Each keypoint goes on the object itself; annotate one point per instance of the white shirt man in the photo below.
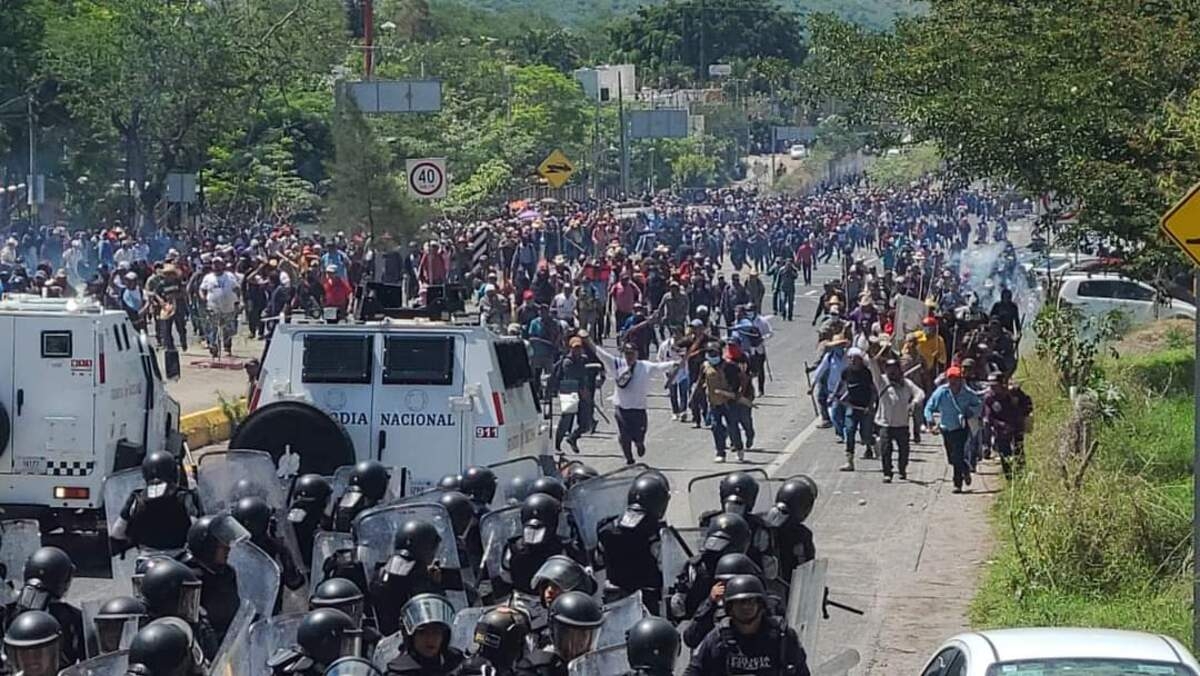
(220, 289)
(563, 305)
(633, 378)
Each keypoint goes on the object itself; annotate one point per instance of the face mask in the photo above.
(713, 360)
(533, 536)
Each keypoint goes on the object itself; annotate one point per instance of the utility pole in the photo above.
(32, 182)
(624, 134)
(703, 63)
(368, 10)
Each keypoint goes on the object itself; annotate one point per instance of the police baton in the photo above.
(826, 604)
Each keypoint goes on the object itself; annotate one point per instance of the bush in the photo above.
(1165, 372)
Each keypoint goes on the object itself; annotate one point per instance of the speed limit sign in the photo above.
(427, 178)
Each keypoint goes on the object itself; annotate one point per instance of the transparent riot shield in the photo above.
(353, 666)
(591, 501)
(462, 634)
(495, 529)
(608, 661)
(387, 649)
(375, 534)
(112, 664)
(117, 489)
(91, 642)
(678, 546)
(233, 657)
(526, 467)
(19, 538)
(341, 481)
(267, 636)
(806, 600)
(840, 665)
(619, 616)
(326, 544)
(704, 493)
(258, 576)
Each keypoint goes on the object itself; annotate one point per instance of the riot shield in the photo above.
(258, 576)
(495, 529)
(325, 544)
(375, 534)
(462, 634)
(678, 546)
(267, 636)
(526, 467)
(840, 665)
(806, 600)
(353, 666)
(704, 493)
(387, 649)
(112, 664)
(91, 643)
(590, 502)
(117, 489)
(233, 657)
(603, 662)
(619, 616)
(19, 538)
(395, 489)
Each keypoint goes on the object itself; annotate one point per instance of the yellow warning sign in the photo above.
(556, 169)
(1182, 223)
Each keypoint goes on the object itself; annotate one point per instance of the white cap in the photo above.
(854, 352)
(489, 287)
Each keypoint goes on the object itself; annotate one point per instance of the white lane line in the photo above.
(810, 294)
(792, 447)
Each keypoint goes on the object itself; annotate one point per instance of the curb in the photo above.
(205, 427)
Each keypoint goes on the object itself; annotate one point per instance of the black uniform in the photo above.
(774, 650)
(161, 523)
(411, 664)
(522, 560)
(696, 582)
(70, 622)
(389, 593)
(760, 538)
(631, 556)
(541, 663)
(478, 665)
(794, 546)
(218, 594)
(306, 531)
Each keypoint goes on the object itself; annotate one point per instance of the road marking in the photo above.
(810, 294)
(793, 446)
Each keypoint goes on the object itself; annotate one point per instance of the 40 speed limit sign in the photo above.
(427, 177)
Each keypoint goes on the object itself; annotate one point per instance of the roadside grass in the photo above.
(1105, 541)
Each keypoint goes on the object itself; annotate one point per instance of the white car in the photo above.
(798, 151)
(1097, 294)
(1061, 652)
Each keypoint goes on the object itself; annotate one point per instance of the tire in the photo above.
(321, 442)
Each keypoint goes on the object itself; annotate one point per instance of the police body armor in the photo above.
(522, 560)
(768, 656)
(632, 558)
(761, 551)
(159, 523)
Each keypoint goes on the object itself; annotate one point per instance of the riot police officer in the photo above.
(323, 636)
(652, 646)
(342, 594)
(739, 492)
(480, 484)
(166, 647)
(408, 572)
(539, 540)
(726, 533)
(367, 488)
(157, 516)
(31, 645)
(450, 482)
(792, 540)
(257, 517)
(710, 611)
(208, 543)
(499, 642)
(48, 575)
(171, 589)
(577, 472)
(516, 490)
(426, 621)
(112, 619)
(629, 544)
(749, 640)
(307, 512)
(558, 575)
(462, 517)
(575, 620)
(549, 485)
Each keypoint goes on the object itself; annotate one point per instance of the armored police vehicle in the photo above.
(411, 390)
(81, 397)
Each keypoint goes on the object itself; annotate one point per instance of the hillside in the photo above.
(875, 14)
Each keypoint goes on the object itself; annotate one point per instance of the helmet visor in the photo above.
(33, 596)
(426, 609)
(534, 533)
(573, 641)
(400, 565)
(297, 514)
(33, 659)
(735, 505)
(189, 602)
(352, 608)
(115, 633)
(353, 666)
(776, 516)
(156, 489)
(632, 516)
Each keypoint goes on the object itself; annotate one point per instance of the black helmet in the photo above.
(652, 645)
(480, 484)
(51, 569)
(578, 472)
(735, 564)
(254, 514)
(326, 634)
(211, 536)
(165, 647)
(793, 501)
(371, 478)
(575, 620)
(112, 619)
(648, 496)
(744, 587)
(551, 486)
(738, 491)
(171, 589)
(727, 532)
(245, 488)
(460, 509)
(450, 482)
(500, 636)
(426, 609)
(31, 643)
(539, 516)
(312, 487)
(517, 489)
(160, 469)
(416, 545)
(339, 593)
(565, 573)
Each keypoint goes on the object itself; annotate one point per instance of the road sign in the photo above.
(1182, 223)
(556, 169)
(181, 188)
(426, 177)
(658, 123)
(720, 70)
(396, 96)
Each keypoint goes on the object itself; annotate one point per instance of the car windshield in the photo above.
(1088, 667)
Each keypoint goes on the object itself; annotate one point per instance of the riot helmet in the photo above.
(450, 482)
(735, 564)
(745, 597)
(48, 575)
(165, 647)
(738, 491)
(727, 532)
(480, 484)
(310, 495)
(114, 617)
(648, 497)
(416, 546)
(793, 501)
(500, 636)
(371, 479)
(549, 485)
(160, 469)
(516, 490)
(31, 644)
(171, 589)
(561, 574)
(461, 512)
(427, 620)
(577, 473)
(539, 518)
(212, 536)
(652, 646)
(326, 634)
(255, 516)
(339, 593)
(575, 620)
